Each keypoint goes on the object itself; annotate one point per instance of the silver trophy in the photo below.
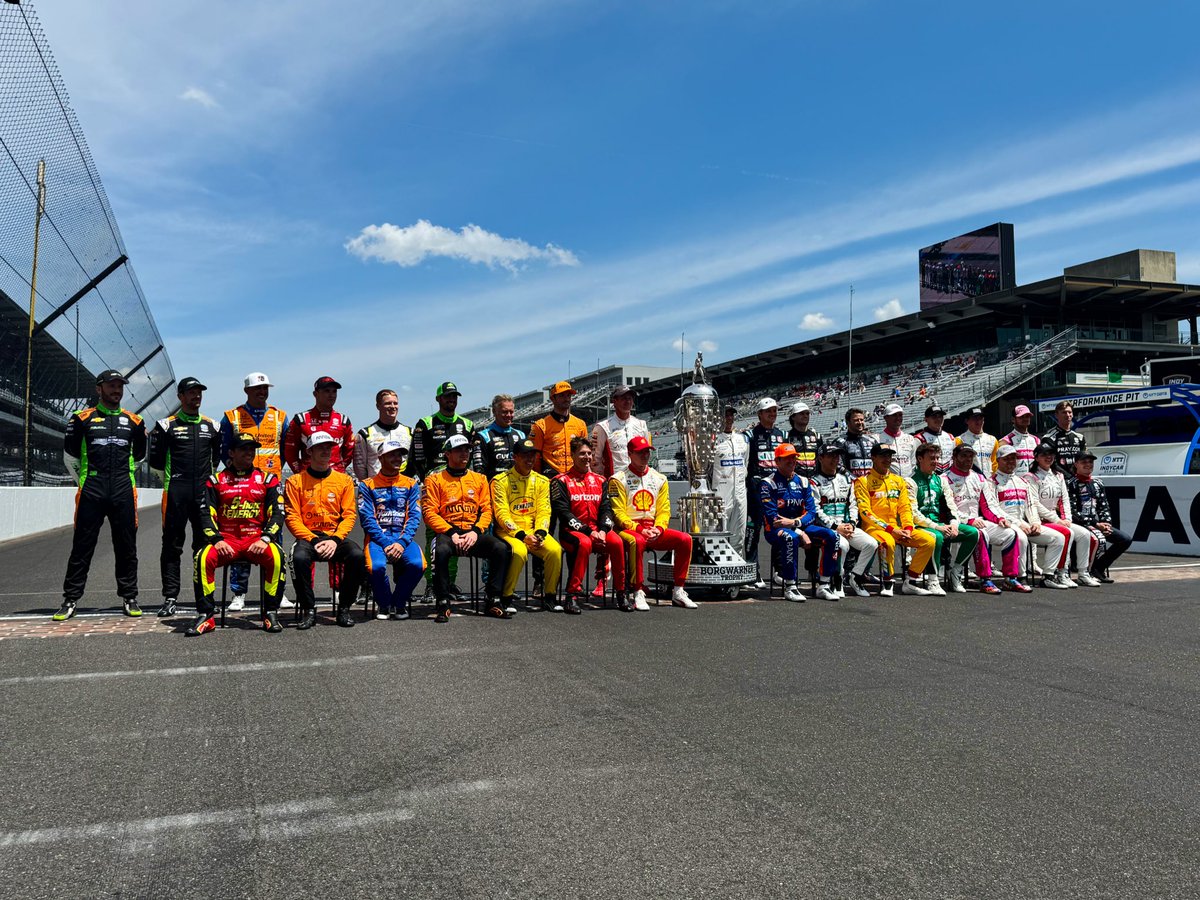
(716, 565)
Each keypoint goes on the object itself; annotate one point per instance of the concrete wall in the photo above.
(25, 511)
(1134, 265)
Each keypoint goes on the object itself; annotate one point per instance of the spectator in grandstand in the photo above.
(456, 505)
(886, 513)
(552, 433)
(1020, 438)
(184, 449)
(792, 521)
(835, 497)
(1089, 504)
(983, 443)
(389, 508)
(321, 510)
(385, 428)
(641, 504)
(935, 511)
(611, 436)
(728, 476)
(761, 441)
(492, 452)
(1055, 506)
(855, 445)
(1067, 443)
(242, 521)
(521, 512)
(979, 507)
(267, 425)
(803, 438)
(580, 504)
(324, 418)
(104, 442)
(933, 433)
(904, 459)
(1020, 501)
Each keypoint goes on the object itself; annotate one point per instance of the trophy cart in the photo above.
(717, 567)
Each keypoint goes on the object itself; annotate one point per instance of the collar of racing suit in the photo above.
(457, 473)
(559, 419)
(318, 475)
(1084, 478)
(634, 470)
(379, 423)
(104, 409)
(187, 417)
(957, 471)
(577, 473)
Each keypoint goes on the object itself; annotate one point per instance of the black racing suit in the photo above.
(1067, 444)
(760, 464)
(186, 449)
(492, 452)
(855, 450)
(806, 443)
(108, 445)
(1089, 507)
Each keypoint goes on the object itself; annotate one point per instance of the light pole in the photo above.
(37, 230)
(850, 344)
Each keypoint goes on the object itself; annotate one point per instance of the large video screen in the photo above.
(970, 265)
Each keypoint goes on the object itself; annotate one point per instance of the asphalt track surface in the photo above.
(1040, 746)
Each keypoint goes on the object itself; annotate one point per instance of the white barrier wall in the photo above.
(1161, 513)
(28, 510)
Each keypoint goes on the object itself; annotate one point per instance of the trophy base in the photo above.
(716, 567)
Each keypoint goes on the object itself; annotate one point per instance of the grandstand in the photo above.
(90, 312)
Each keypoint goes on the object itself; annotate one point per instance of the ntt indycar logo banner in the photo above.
(1143, 395)
(1161, 513)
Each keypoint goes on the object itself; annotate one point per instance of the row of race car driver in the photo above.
(978, 495)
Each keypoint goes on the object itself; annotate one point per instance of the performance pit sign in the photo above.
(1162, 514)
(1113, 398)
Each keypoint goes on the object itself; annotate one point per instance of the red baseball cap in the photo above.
(639, 443)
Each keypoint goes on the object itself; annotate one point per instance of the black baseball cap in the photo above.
(1085, 454)
(525, 446)
(974, 411)
(1043, 447)
(326, 381)
(448, 387)
(934, 410)
(882, 448)
(830, 448)
(188, 383)
(246, 440)
(111, 375)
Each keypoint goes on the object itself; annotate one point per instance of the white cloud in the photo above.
(684, 346)
(201, 96)
(411, 245)
(889, 310)
(681, 345)
(815, 321)
(707, 346)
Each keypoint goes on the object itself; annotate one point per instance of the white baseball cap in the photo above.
(320, 437)
(892, 408)
(798, 407)
(257, 379)
(456, 440)
(402, 442)
(766, 403)
(1005, 450)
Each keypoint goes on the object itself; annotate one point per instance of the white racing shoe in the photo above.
(285, 603)
(825, 592)
(934, 586)
(639, 601)
(679, 597)
(237, 603)
(854, 587)
(1055, 582)
(886, 588)
(792, 592)
(955, 583)
(908, 586)
(1087, 579)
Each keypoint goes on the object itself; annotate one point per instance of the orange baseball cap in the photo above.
(785, 450)
(564, 386)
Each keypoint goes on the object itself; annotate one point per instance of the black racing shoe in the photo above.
(345, 619)
(202, 625)
(496, 610)
(1101, 577)
(168, 608)
(623, 603)
(572, 607)
(308, 618)
(456, 594)
(271, 622)
(428, 596)
(132, 609)
(443, 614)
(66, 611)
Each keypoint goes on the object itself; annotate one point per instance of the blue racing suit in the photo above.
(389, 509)
(793, 498)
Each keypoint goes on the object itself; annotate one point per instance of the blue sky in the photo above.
(632, 170)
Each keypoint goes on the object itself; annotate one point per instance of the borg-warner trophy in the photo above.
(716, 564)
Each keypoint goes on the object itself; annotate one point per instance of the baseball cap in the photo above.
(882, 448)
(965, 448)
(826, 449)
(455, 441)
(974, 411)
(934, 410)
(729, 407)
(257, 379)
(563, 387)
(639, 443)
(765, 403)
(798, 407)
(111, 375)
(525, 445)
(892, 408)
(1022, 410)
(1085, 454)
(620, 391)
(246, 440)
(1005, 450)
(317, 438)
(785, 450)
(397, 443)
(188, 383)
(1043, 449)
(326, 381)
(448, 387)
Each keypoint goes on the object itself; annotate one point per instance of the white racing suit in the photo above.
(978, 506)
(1019, 500)
(836, 505)
(728, 480)
(1056, 507)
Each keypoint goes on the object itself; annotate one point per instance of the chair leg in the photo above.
(224, 587)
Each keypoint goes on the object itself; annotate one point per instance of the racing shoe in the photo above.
(759, 585)
(510, 604)
(572, 607)
(886, 587)
(495, 610)
(1065, 577)
(443, 613)
(934, 586)
(456, 595)
(955, 582)
(345, 618)
(381, 612)
(66, 611)
(1101, 577)
(168, 608)
(1017, 585)
(237, 603)
(398, 613)
(271, 623)
(679, 597)
(285, 603)
(987, 586)
(791, 591)
(854, 587)
(428, 596)
(598, 590)
(308, 618)
(131, 608)
(639, 601)
(1087, 579)
(825, 592)
(912, 586)
(836, 585)
(202, 625)
(1055, 582)
(623, 603)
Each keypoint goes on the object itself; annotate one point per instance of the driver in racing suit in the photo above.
(933, 433)
(1020, 438)
(1022, 508)
(835, 497)
(855, 445)
(791, 521)
(761, 441)
(728, 477)
(803, 438)
(389, 510)
(1056, 507)
(979, 507)
(936, 513)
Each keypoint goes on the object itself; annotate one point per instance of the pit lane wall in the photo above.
(29, 510)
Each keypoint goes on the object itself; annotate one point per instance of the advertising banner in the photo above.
(1161, 513)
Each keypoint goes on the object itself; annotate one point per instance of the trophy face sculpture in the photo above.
(698, 419)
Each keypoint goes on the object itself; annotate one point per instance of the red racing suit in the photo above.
(581, 506)
(304, 425)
